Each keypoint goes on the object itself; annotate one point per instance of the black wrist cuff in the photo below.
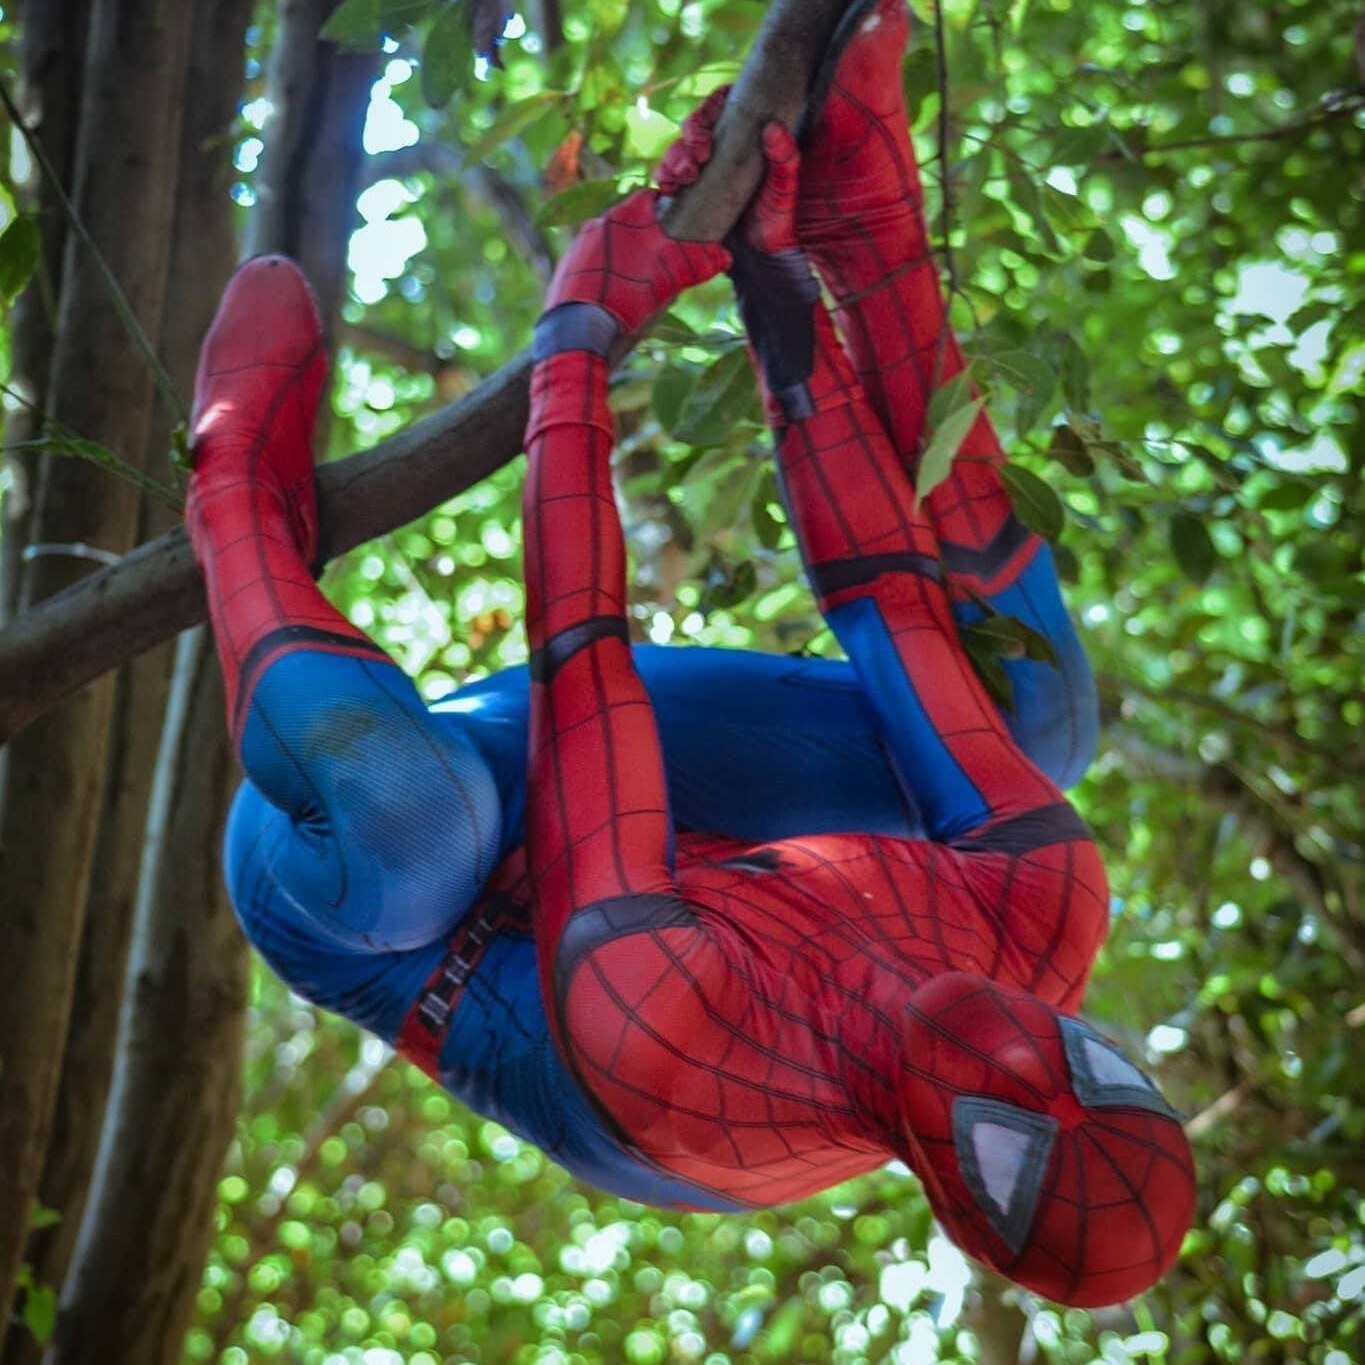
(777, 295)
(575, 327)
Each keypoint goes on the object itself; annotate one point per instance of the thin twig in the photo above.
(1353, 103)
(946, 183)
(116, 294)
(60, 439)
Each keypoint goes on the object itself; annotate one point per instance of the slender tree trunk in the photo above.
(53, 34)
(203, 249)
(310, 170)
(131, 1290)
(50, 66)
(126, 153)
(137, 1266)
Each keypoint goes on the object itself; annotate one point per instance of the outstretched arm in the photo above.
(597, 815)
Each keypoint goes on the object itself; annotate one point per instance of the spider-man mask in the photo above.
(1044, 1151)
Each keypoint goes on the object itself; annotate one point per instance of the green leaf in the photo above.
(362, 24)
(180, 454)
(992, 636)
(578, 203)
(1099, 246)
(1037, 647)
(1066, 210)
(937, 461)
(1068, 566)
(722, 397)
(1118, 455)
(1080, 146)
(1035, 504)
(1034, 380)
(1073, 365)
(674, 330)
(919, 79)
(956, 393)
(766, 526)
(986, 662)
(516, 118)
(41, 1217)
(1286, 497)
(40, 1312)
(447, 55)
(718, 490)
(1024, 192)
(726, 585)
(1192, 546)
(671, 389)
(20, 249)
(1070, 451)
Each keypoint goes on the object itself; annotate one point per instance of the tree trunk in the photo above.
(310, 170)
(50, 67)
(133, 1282)
(137, 1266)
(156, 592)
(203, 249)
(126, 153)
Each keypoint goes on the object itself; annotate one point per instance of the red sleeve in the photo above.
(597, 810)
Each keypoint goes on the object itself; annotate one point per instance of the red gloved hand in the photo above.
(769, 223)
(684, 160)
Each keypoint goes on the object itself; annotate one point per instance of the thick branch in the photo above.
(112, 616)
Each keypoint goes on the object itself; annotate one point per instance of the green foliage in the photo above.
(936, 463)
(39, 1311)
(1153, 222)
(20, 247)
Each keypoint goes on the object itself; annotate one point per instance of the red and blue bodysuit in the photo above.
(713, 929)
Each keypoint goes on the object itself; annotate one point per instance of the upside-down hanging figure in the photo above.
(870, 939)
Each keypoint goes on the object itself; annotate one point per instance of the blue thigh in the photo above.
(1055, 717)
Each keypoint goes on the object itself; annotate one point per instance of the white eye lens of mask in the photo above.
(1103, 1078)
(1003, 1153)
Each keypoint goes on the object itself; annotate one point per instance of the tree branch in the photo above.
(1344, 104)
(115, 614)
(945, 179)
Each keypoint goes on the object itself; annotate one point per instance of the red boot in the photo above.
(251, 512)
(859, 215)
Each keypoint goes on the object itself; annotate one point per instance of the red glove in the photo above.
(683, 161)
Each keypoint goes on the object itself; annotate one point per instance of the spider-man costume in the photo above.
(720, 1021)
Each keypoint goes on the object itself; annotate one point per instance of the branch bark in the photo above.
(155, 591)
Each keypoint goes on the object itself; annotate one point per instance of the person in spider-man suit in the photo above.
(709, 999)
